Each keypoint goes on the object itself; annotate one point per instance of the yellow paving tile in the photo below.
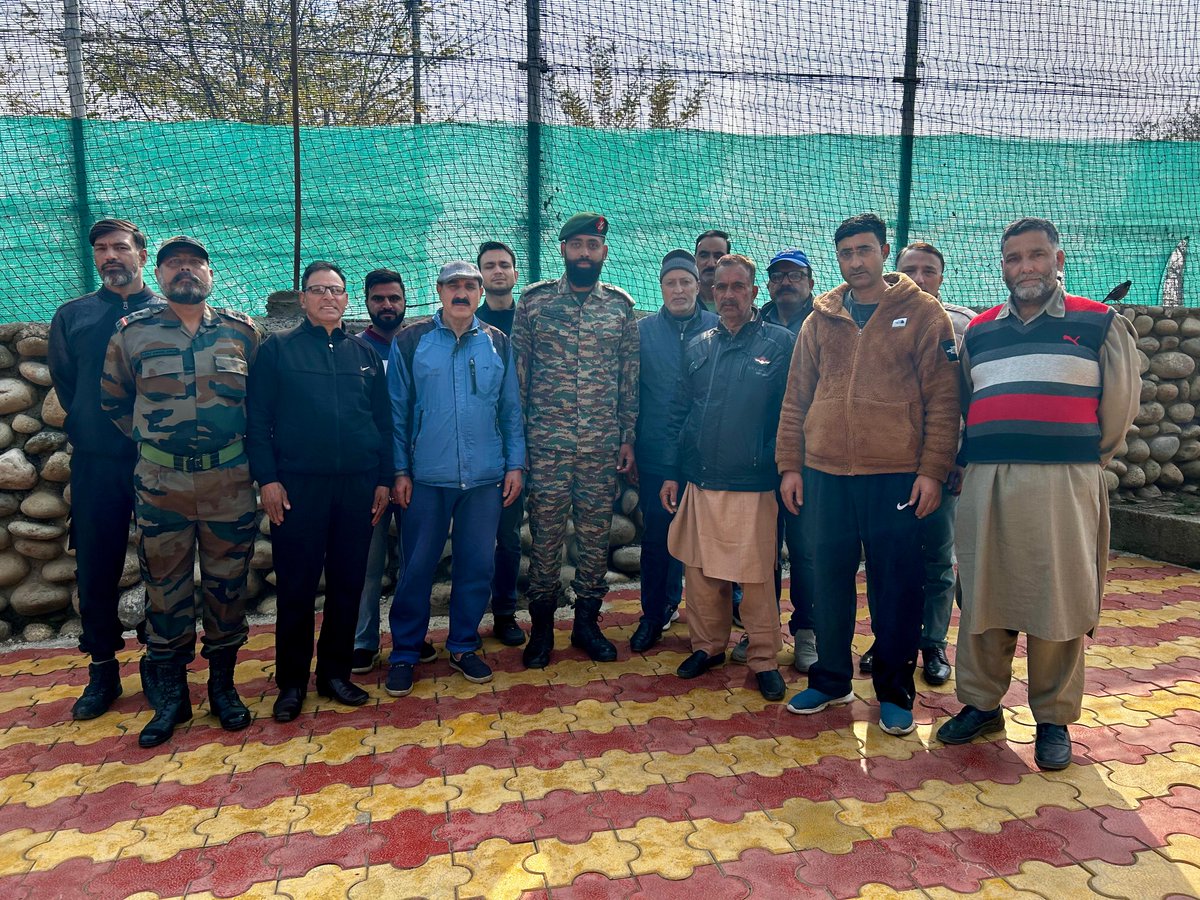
(636, 712)
(323, 881)
(1156, 775)
(664, 849)
(497, 870)
(625, 772)
(482, 789)
(573, 775)
(1030, 794)
(755, 756)
(754, 831)
(817, 826)
(275, 818)
(556, 721)
(595, 717)
(992, 889)
(676, 768)
(15, 845)
(1184, 848)
(1095, 787)
(1153, 875)
(1117, 710)
(880, 820)
(101, 846)
(800, 752)
(289, 753)
(471, 730)
(331, 809)
(561, 863)
(386, 801)
(169, 833)
(960, 807)
(1053, 882)
(437, 877)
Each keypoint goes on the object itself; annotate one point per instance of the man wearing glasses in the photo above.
(319, 442)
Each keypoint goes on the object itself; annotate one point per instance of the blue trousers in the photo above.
(662, 574)
(475, 513)
(508, 558)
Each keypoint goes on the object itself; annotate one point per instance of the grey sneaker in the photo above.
(806, 650)
(739, 652)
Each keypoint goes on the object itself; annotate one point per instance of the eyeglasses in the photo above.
(321, 290)
(795, 276)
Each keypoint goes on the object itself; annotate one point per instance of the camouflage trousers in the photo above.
(559, 482)
(177, 513)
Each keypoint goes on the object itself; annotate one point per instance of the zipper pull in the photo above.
(471, 366)
(331, 346)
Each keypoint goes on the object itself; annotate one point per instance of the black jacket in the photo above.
(318, 405)
(79, 334)
(727, 411)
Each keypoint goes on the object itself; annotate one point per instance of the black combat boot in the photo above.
(587, 636)
(103, 688)
(536, 654)
(223, 699)
(167, 681)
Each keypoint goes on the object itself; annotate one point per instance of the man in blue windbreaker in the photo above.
(459, 456)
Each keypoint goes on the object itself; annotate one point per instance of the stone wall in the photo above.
(37, 572)
(38, 598)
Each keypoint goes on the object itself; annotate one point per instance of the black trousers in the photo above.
(845, 515)
(328, 527)
(101, 510)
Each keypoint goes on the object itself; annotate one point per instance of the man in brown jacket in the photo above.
(867, 435)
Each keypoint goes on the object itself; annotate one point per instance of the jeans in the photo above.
(475, 513)
(662, 574)
(366, 634)
(937, 548)
(791, 531)
(508, 558)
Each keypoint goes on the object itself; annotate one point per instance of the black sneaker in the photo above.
(506, 630)
(363, 661)
(399, 680)
(428, 652)
(474, 669)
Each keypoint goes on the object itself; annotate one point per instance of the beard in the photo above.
(386, 319)
(583, 273)
(188, 290)
(1036, 291)
(115, 275)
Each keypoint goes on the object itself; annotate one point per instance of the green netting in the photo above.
(412, 197)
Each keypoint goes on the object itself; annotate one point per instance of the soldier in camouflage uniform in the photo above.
(576, 346)
(174, 381)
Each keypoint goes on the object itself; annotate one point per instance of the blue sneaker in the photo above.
(895, 719)
(810, 701)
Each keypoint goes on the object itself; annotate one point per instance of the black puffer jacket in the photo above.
(318, 405)
(727, 411)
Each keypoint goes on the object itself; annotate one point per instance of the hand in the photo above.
(512, 486)
(402, 491)
(954, 481)
(668, 496)
(626, 465)
(926, 495)
(379, 505)
(275, 501)
(791, 488)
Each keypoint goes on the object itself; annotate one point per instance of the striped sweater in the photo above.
(1036, 385)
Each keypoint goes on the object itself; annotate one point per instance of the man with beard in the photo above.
(576, 346)
(710, 247)
(174, 381)
(319, 441)
(871, 419)
(1051, 384)
(385, 306)
(498, 264)
(103, 458)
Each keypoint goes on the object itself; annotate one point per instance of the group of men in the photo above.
(831, 424)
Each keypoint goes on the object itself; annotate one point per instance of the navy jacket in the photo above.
(663, 339)
(79, 334)
(317, 405)
(727, 411)
(456, 405)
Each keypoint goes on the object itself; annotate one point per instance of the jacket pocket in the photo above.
(230, 377)
(162, 376)
(826, 430)
(887, 434)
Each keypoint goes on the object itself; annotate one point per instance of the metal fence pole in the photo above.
(533, 135)
(295, 75)
(908, 115)
(414, 15)
(73, 41)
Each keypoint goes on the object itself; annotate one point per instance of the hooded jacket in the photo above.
(877, 400)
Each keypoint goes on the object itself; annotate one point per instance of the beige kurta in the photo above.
(1032, 539)
(728, 535)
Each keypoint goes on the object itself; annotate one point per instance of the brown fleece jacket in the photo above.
(876, 401)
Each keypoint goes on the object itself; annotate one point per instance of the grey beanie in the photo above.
(679, 259)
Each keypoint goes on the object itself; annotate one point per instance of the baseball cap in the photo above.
(459, 268)
(177, 243)
(793, 256)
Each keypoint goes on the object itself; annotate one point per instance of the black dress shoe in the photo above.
(1052, 746)
(969, 724)
(508, 632)
(935, 667)
(866, 663)
(698, 663)
(645, 637)
(770, 684)
(342, 691)
(287, 704)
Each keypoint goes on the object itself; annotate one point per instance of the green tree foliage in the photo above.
(1183, 126)
(231, 59)
(639, 98)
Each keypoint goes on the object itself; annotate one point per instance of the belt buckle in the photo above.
(192, 464)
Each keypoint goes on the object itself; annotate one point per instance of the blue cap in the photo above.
(793, 256)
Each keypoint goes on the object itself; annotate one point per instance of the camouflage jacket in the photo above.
(182, 394)
(578, 367)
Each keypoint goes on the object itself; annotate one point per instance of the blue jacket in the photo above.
(663, 338)
(456, 407)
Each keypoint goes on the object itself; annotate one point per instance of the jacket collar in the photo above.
(752, 327)
(682, 324)
(438, 323)
(208, 320)
(316, 330)
(145, 295)
(1055, 306)
(900, 289)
